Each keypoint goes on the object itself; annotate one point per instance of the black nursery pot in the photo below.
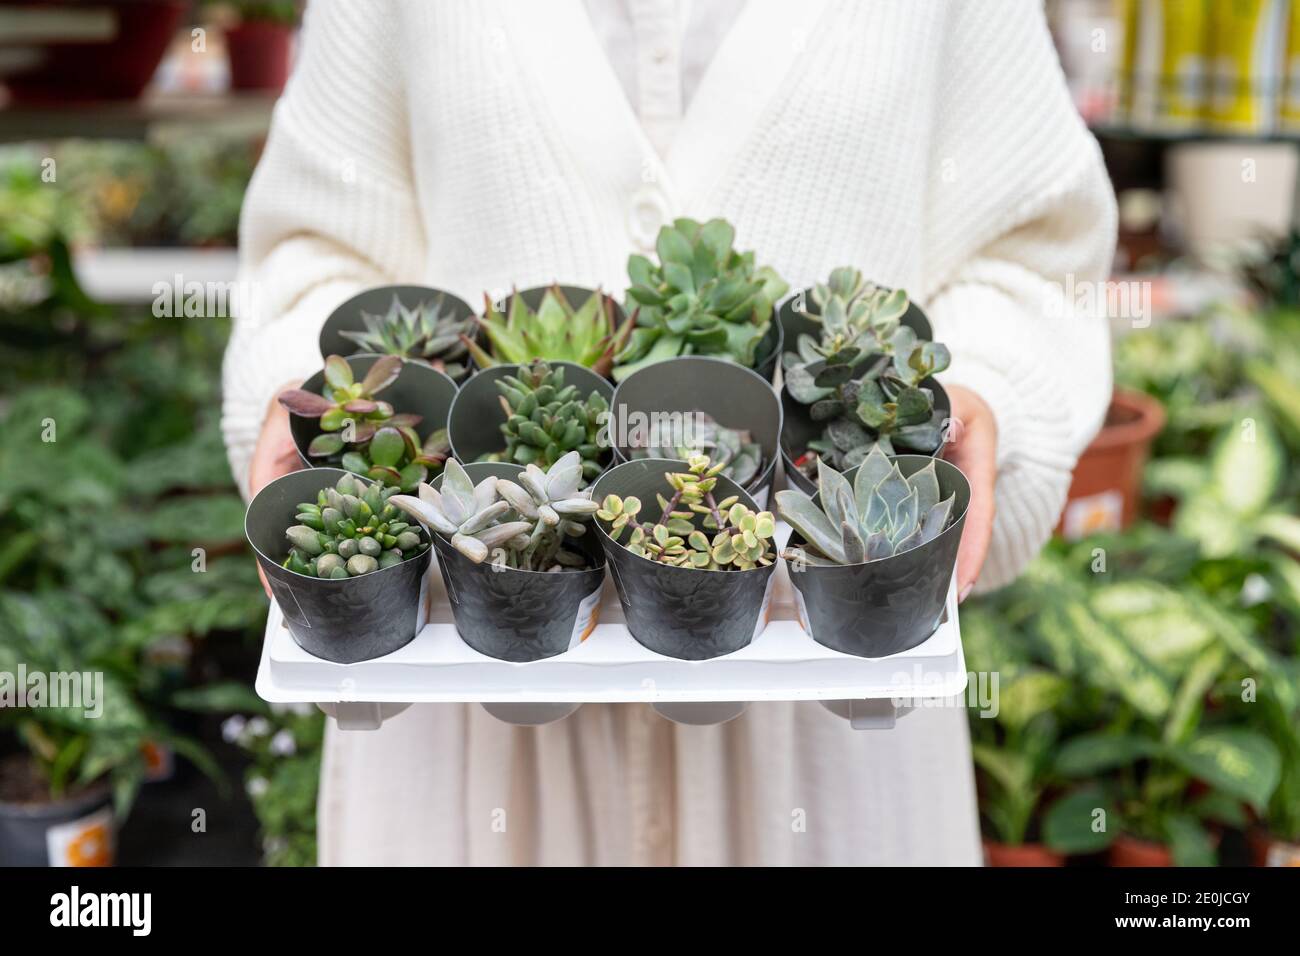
(516, 615)
(345, 621)
(798, 428)
(793, 324)
(892, 604)
(680, 612)
(347, 317)
(419, 390)
(767, 357)
(474, 423)
(733, 395)
(24, 827)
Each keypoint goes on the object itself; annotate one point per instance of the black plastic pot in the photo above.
(793, 323)
(767, 357)
(474, 423)
(25, 827)
(516, 615)
(345, 621)
(680, 612)
(798, 428)
(419, 390)
(733, 395)
(892, 604)
(347, 317)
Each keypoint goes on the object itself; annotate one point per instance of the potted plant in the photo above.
(336, 418)
(258, 44)
(543, 323)
(694, 571)
(344, 564)
(701, 405)
(532, 414)
(866, 382)
(409, 321)
(701, 298)
(872, 555)
(522, 574)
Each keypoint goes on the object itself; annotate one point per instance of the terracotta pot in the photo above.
(259, 55)
(1267, 850)
(1130, 851)
(1026, 854)
(1106, 489)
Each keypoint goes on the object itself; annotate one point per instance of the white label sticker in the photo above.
(585, 622)
(85, 842)
(1100, 512)
(766, 608)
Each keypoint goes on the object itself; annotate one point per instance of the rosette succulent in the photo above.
(882, 514)
(857, 318)
(731, 449)
(693, 530)
(587, 335)
(521, 525)
(428, 332)
(701, 298)
(546, 419)
(349, 530)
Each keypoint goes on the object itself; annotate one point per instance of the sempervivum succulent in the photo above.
(882, 514)
(429, 332)
(351, 529)
(546, 419)
(519, 525)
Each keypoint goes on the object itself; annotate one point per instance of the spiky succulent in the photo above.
(520, 525)
(693, 529)
(702, 298)
(546, 419)
(428, 332)
(883, 513)
(587, 335)
(351, 529)
(364, 434)
(740, 458)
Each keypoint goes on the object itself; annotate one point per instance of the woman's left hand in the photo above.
(974, 449)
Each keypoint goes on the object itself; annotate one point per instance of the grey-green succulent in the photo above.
(351, 529)
(428, 332)
(546, 419)
(696, 433)
(521, 525)
(882, 514)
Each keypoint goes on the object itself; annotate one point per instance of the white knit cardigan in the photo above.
(479, 144)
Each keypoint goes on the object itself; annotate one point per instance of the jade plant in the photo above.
(733, 536)
(587, 335)
(428, 332)
(523, 525)
(868, 390)
(733, 449)
(351, 529)
(881, 514)
(546, 419)
(701, 298)
(364, 434)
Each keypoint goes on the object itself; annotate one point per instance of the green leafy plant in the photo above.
(546, 419)
(701, 298)
(261, 11)
(351, 529)
(556, 331)
(428, 332)
(522, 525)
(741, 538)
(880, 515)
(740, 458)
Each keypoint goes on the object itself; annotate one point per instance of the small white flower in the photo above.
(282, 744)
(259, 727)
(232, 728)
(257, 786)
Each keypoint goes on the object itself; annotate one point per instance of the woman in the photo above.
(471, 145)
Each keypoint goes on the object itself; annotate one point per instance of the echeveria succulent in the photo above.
(883, 513)
(520, 525)
(732, 449)
(546, 419)
(351, 529)
(428, 332)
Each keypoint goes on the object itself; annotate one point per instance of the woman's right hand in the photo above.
(274, 455)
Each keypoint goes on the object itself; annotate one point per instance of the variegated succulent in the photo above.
(521, 525)
(729, 536)
(351, 529)
(882, 514)
(428, 332)
(696, 433)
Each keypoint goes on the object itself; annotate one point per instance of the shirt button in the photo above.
(661, 54)
(647, 214)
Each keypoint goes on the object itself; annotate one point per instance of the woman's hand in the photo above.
(973, 448)
(274, 455)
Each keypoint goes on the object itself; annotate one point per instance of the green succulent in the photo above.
(546, 419)
(351, 529)
(880, 515)
(364, 434)
(741, 539)
(702, 298)
(557, 331)
(428, 332)
(857, 318)
(740, 458)
(521, 525)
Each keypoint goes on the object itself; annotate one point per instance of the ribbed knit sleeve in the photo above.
(330, 209)
(1003, 255)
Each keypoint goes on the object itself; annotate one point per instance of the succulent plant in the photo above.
(364, 434)
(557, 331)
(521, 525)
(857, 318)
(880, 515)
(730, 536)
(546, 419)
(702, 298)
(428, 332)
(740, 458)
(351, 529)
